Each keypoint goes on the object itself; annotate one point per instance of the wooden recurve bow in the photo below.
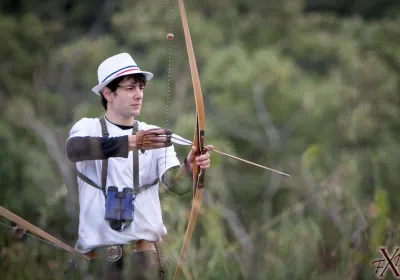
(198, 142)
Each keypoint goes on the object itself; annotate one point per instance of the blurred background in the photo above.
(308, 87)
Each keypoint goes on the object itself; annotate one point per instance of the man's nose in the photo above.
(138, 94)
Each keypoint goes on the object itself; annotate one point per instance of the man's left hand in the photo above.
(202, 161)
(18, 232)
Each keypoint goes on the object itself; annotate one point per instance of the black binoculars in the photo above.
(119, 207)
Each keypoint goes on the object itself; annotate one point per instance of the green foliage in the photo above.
(310, 93)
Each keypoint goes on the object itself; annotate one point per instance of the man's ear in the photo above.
(106, 93)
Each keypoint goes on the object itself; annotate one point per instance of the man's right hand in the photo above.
(150, 139)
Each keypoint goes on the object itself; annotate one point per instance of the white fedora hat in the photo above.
(116, 66)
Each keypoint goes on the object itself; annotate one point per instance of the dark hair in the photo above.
(113, 85)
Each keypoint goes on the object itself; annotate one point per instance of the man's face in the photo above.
(128, 97)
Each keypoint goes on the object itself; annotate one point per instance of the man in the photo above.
(119, 162)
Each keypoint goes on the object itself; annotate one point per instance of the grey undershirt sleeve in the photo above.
(178, 179)
(94, 148)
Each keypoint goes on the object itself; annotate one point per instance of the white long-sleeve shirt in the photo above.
(94, 230)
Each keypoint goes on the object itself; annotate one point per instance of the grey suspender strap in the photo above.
(88, 181)
(104, 165)
(135, 156)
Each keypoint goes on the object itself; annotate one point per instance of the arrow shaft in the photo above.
(250, 162)
(187, 142)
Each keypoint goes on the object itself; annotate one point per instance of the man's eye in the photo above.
(129, 88)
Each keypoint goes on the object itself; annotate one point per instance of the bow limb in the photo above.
(30, 227)
(198, 142)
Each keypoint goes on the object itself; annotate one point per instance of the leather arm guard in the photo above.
(154, 138)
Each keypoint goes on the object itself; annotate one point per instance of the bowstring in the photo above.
(163, 195)
(168, 81)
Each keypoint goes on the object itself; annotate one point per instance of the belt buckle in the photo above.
(113, 253)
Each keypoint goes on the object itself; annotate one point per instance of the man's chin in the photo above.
(135, 113)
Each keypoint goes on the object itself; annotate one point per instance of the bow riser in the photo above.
(202, 172)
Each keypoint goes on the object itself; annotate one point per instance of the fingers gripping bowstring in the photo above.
(33, 236)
